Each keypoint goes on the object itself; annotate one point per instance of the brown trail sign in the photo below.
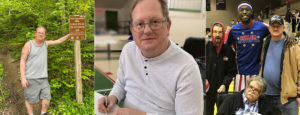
(77, 32)
(77, 27)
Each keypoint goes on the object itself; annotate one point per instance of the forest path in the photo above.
(15, 101)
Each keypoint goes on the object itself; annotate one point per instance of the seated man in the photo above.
(248, 101)
(155, 76)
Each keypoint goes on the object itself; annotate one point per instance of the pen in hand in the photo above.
(105, 103)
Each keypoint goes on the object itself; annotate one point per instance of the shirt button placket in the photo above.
(145, 67)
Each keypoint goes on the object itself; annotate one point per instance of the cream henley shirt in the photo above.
(169, 84)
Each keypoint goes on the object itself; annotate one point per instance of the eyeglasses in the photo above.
(254, 89)
(154, 25)
(41, 33)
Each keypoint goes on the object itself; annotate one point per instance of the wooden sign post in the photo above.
(77, 33)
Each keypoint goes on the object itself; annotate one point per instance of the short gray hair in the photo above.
(163, 4)
(261, 81)
(40, 27)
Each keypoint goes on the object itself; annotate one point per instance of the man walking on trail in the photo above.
(33, 69)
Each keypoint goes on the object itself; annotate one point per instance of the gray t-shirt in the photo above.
(36, 63)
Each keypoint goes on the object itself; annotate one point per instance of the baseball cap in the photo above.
(276, 18)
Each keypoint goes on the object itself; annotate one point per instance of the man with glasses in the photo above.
(155, 76)
(281, 69)
(247, 102)
(34, 72)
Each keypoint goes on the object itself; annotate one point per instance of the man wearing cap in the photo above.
(247, 38)
(281, 69)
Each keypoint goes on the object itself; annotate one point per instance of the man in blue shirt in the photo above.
(247, 38)
(281, 68)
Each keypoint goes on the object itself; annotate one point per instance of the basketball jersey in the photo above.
(248, 42)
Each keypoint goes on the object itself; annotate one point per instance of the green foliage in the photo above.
(70, 107)
(19, 18)
(3, 93)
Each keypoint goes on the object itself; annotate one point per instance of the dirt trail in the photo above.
(15, 102)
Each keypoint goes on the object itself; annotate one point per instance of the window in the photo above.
(221, 4)
(186, 5)
(207, 5)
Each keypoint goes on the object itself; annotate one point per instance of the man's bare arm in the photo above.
(58, 41)
(24, 55)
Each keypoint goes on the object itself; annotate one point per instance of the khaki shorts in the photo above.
(36, 90)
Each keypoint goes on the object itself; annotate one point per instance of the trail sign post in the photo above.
(77, 33)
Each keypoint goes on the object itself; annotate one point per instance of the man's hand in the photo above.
(105, 107)
(298, 101)
(24, 82)
(221, 89)
(128, 111)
